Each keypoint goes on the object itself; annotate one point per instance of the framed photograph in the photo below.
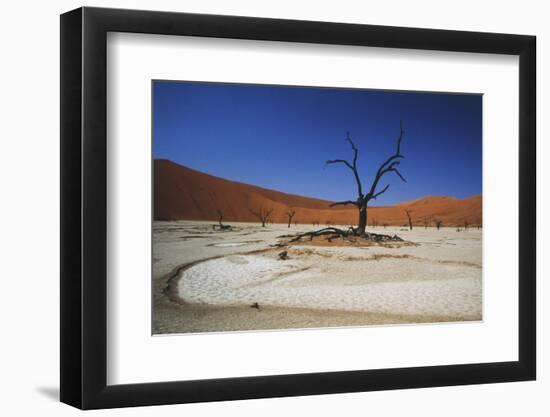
(258, 208)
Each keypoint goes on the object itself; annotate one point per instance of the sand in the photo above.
(208, 280)
(184, 193)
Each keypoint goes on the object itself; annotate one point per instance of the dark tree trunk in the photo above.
(390, 165)
(362, 223)
(262, 214)
(408, 213)
(290, 214)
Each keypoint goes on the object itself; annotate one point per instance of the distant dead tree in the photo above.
(385, 225)
(426, 222)
(363, 199)
(262, 214)
(438, 223)
(466, 224)
(409, 218)
(374, 223)
(290, 214)
(220, 218)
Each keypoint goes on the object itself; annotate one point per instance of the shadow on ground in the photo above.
(50, 392)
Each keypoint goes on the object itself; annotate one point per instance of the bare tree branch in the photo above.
(398, 152)
(355, 173)
(339, 161)
(262, 214)
(353, 166)
(389, 165)
(290, 214)
(343, 203)
(381, 192)
(399, 175)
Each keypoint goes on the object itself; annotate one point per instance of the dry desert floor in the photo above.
(208, 280)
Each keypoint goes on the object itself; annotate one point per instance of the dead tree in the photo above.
(438, 223)
(290, 214)
(220, 218)
(363, 199)
(466, 224)
(426, 222)
(409, 218)
(262, 214)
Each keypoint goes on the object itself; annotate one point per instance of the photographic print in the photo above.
(293, 207)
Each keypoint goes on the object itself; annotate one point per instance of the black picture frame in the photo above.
(84, 207)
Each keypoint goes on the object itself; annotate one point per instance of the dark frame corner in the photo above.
(83, 207)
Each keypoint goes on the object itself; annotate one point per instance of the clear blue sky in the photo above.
(280, 137)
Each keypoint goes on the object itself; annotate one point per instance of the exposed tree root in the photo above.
(222, 227)
(351, 234)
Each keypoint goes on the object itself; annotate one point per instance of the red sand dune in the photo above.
(185, 194)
